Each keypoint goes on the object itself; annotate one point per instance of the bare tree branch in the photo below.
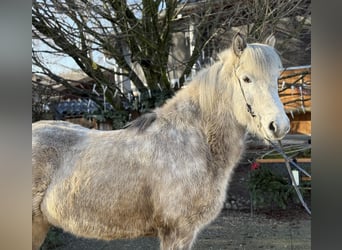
(141, 33)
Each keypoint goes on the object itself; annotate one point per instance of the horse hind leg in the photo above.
(40, 182)
(39, 232)
(40, 228)
(40, 225)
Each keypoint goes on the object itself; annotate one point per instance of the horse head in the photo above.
(256, 99)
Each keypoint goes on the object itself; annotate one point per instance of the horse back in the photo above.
(56, 133)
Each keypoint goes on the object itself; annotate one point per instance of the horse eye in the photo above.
(246, 79)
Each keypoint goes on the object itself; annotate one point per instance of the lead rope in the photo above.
(287, 164)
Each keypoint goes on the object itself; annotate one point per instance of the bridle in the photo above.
(249, 107)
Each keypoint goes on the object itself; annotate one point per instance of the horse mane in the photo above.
(142, 122)
(210, 80)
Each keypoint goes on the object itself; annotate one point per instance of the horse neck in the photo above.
(224, 135)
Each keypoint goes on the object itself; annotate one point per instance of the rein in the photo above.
(287, 163)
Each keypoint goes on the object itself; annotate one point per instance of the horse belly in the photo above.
(101, 217)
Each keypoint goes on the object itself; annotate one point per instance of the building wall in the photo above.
(295, 93)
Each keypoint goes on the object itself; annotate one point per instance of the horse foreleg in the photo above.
(176, 241)
(40, 228)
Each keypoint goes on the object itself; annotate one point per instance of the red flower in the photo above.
(255, 165)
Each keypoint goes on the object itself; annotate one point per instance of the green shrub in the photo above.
(267, 188)
(53, 239)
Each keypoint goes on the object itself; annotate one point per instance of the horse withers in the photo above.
(166, 173)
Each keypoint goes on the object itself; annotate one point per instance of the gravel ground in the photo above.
(282, 229)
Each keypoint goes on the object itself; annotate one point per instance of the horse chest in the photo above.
(226, 150)
(225, 156)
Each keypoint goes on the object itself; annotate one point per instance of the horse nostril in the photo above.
(273, 127)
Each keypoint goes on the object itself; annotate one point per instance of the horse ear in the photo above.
(270, 40)
(239, 44)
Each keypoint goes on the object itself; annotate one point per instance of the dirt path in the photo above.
(232, 230)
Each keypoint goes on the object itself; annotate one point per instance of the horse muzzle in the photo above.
(277, 129)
